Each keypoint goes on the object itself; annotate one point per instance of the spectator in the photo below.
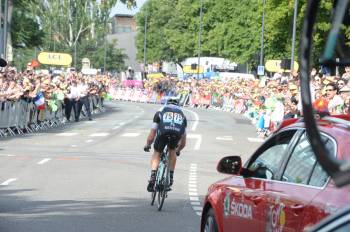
(335, 102)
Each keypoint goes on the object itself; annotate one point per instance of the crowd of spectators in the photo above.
(70, 89)
(266, 101)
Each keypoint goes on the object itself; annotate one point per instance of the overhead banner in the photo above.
(275, 66)
(52, 58)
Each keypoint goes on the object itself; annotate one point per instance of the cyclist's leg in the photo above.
(172, 156)
(158, 146)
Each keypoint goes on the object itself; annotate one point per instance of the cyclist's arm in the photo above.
(182, 142)
(152, 134)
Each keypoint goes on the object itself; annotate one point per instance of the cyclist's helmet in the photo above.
(173, 101)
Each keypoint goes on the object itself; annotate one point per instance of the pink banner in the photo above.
(132, 83)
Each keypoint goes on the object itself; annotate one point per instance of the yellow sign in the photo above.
(53, 58)
(155, 76)
(275, 66)
(188, 69)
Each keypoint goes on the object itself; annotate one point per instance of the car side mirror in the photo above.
(230, 165)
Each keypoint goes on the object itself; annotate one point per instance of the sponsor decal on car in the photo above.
(236, 208)
(276, 217)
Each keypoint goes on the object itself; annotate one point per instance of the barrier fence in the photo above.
(229, 103)
(19, 117)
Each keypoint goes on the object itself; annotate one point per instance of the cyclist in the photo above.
(168, 128)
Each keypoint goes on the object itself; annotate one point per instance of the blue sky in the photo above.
(120, 8)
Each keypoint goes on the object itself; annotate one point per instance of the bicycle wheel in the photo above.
(153, 197)
(163, 187)
(334, 55)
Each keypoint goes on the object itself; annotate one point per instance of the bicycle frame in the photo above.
(161, 180)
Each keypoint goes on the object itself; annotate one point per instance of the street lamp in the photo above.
(199, 36)
(294, 31)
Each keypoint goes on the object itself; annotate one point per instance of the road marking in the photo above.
(44, 161)
(196, 119)
(89, 141)
(73, 145)
(224, 138)
(99, 134)
(89, 122)
(66, 134)
(8, 181)
(192, 189)
(122, 123)
(195, 203)
(256, 140)
(198, 137)
(130, 134)
(116, 127)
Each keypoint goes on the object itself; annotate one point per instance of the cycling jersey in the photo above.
(170, 123)
(170, 120)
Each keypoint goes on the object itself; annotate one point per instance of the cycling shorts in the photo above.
(162, 140)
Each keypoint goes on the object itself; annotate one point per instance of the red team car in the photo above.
(282, 187)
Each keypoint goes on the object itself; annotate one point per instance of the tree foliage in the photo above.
(66, 26)
(231, 29)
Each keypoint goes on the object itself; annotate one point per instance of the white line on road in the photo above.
(256, 140)
(44, 161)
(116, 127)
(66, 134)
(74, 145)
(99, 134)
(89, 141)
(224, 138)
(130, 134)
(192, 189)
(196, 119)
(122, 123)
(195, 203)
(8, 181)
(198, 137)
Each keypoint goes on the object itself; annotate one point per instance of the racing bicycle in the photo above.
(162, 184)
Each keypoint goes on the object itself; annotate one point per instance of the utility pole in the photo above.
(262, 36)
(145, 44)
(200, 36)
(1, 34)
(105, 46)
(294, 32)
(5, 29)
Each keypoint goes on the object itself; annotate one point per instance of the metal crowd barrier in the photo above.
(19, 117)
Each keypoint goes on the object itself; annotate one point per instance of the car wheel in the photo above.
(210, 224)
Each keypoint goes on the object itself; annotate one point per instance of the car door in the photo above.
(245, 202)
(290, 197)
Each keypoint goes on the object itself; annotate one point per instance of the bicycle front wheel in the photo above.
(153, 197)
(163, 187)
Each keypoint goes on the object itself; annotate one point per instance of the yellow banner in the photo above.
(53, 58)
(275, 66)
(188, 69)
(155, 76)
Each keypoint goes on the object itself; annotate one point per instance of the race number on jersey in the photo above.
(171, 117)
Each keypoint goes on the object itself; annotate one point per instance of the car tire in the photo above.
(210, 224)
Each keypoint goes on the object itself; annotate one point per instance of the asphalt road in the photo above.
(92, 176)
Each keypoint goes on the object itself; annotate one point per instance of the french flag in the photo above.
(39, 101)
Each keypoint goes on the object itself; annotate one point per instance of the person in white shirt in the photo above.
(83, 99)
